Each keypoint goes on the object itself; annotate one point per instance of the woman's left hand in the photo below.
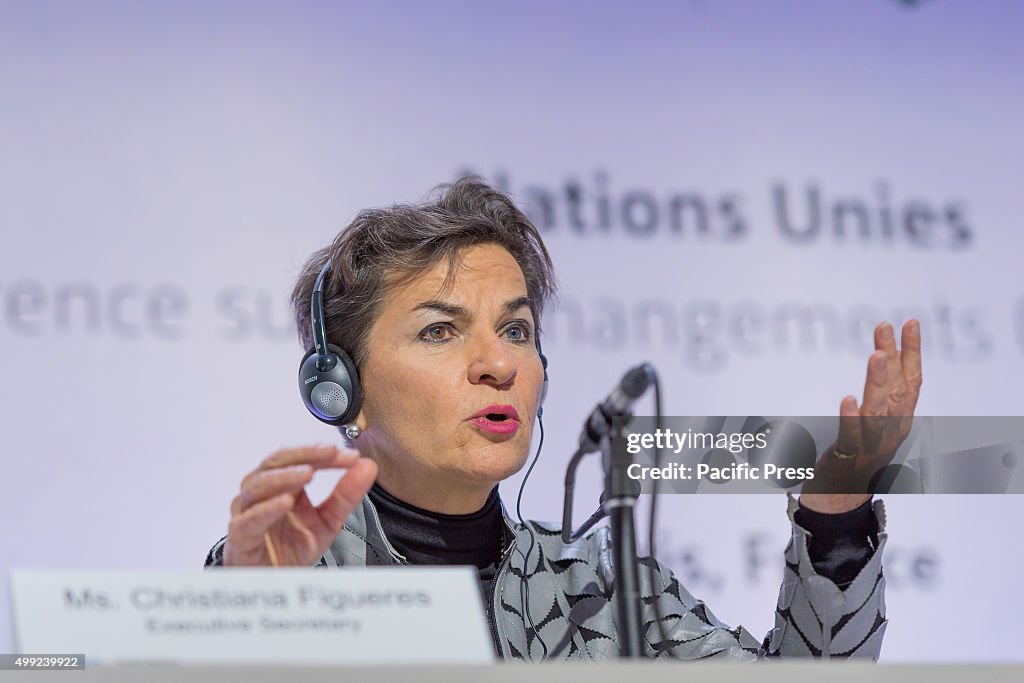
(869, 435)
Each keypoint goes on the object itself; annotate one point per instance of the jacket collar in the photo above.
(364, 523)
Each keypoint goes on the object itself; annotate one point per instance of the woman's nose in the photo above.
(491, 363)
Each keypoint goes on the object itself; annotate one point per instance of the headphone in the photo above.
(328, 379)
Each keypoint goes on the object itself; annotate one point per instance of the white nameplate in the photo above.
(392, 615)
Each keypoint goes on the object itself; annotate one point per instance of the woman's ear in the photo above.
(360, 420)
(355, 428)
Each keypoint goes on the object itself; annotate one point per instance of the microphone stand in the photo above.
(619, 505)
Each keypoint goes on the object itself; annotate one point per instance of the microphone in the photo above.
(631, 387)
(618, 403)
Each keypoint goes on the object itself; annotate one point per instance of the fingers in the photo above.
(315, 457)
(885, 340)
(875, 396)
(347, 494)
(246, 529)
(307, 455)
(850, 440)
(891, 389)
(276, 490)
(875, 403)
(269, 483)
(910, 348)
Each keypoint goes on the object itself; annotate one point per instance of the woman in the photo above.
(438, 306)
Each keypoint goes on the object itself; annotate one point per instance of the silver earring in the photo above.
(352, 432)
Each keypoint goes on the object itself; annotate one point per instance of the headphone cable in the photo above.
(524, 587)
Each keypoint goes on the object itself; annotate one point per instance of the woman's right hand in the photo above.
(273, 522)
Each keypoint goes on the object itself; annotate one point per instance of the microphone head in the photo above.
(636, 381)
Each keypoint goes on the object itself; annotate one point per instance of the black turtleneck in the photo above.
(426, 537)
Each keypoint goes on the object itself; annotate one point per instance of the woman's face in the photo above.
(438, 363)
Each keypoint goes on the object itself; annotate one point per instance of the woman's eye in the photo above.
(435, 333)
(518, 333)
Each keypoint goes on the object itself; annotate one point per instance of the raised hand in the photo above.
(871, 433)
(273, 523)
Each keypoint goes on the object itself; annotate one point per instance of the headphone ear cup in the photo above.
(334, 396)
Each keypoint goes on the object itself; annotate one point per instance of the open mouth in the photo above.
(497, 419)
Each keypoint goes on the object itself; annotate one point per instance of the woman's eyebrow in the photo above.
(456, 311)
(442, 307)
(515, 304)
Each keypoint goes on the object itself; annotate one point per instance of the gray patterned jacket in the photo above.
(571, 586)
